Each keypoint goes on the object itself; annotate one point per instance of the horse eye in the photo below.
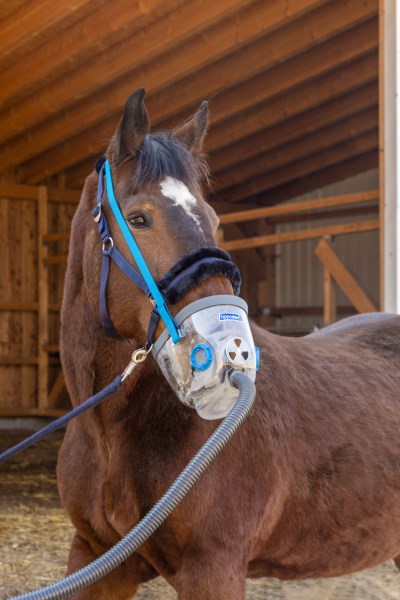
(138, 221)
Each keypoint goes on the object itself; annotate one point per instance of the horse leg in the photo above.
(211, 580)
(120, 584)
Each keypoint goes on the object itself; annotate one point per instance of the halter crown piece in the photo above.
(186, 274)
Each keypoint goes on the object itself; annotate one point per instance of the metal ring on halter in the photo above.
(110, 241)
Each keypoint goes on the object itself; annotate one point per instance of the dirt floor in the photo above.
(35, 534)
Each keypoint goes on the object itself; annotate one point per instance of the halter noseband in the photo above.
(186, 274)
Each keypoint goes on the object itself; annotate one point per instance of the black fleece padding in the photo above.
(196, 267)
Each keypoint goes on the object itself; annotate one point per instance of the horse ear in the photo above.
(193, 132)
(132, 128)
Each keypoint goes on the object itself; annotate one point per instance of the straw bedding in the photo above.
(35, 534)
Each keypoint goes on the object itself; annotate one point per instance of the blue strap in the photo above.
(138, 258)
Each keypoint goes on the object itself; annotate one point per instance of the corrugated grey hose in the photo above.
(164, 507)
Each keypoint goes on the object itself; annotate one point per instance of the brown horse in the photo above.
(308, 487)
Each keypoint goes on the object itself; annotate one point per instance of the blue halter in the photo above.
(188, 272)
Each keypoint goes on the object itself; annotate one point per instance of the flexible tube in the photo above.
(156, 516)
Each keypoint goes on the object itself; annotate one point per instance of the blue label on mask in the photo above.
(230, 317)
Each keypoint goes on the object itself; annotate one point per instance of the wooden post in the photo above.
(336, 270)
(389, 145)
(43, 298)
(329, 293)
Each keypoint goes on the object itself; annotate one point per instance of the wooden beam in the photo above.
(35, 23)
(310, 164)
(337, 172)
(15, 190)
(221, 39)
(300, 207)
(283, 311)
(326, 57)
(292, 128)
(43, 297)
(343, 278)
(305, 145)
(81, 42)
(19, 306)
(296, 236)
(31, 412)
(339, 213)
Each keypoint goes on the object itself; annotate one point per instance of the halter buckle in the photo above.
(97, 216)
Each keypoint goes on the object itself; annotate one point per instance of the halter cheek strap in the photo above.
(188, 272)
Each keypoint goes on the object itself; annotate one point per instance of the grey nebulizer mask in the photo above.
(216, 339)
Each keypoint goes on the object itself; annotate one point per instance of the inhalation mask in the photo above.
(215, 339)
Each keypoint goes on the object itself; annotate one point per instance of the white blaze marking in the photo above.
(180, 195)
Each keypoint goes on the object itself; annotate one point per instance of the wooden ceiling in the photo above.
(292, 84)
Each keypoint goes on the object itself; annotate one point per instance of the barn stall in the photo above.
(296, 94)
(293, 90)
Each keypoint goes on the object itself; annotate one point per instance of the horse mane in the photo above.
(162, 155)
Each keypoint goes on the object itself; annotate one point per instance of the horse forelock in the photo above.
(161, 155)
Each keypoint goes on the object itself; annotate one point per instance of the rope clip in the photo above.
(137, 358)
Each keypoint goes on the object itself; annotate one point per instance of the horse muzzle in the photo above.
(215, 340)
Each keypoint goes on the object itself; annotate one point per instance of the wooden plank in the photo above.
(295, 236)
(17, 191)
(343, 278)
(292, 73)
(329, 295)
(63, 195)
(19, 306)
(55, 260)
(340, 213)
(382, 173)
(18, 361)
(282, 311)
(109, 23)
(43, 314)
(57, 236)
(300, 207)
(307, 143)
(31, 412)
(56, 390)
(310, 164)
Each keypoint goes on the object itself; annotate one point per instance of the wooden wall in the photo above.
(30, 296)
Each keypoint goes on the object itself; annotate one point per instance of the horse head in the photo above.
(156, 225)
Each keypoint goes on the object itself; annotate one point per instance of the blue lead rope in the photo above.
(58, 423)
(138, 258)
